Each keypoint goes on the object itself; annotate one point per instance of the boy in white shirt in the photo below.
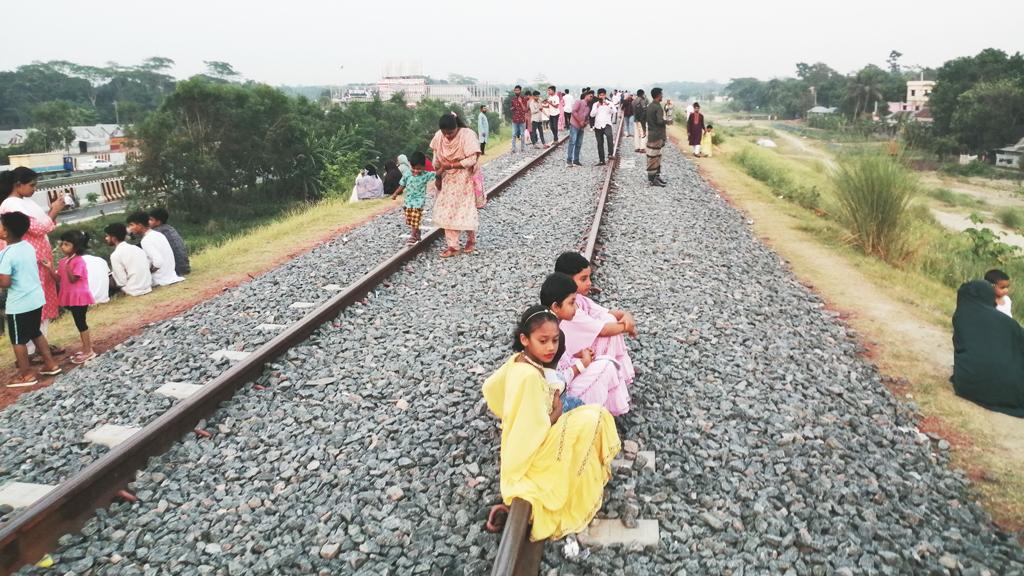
(129, 267)
(1001, 282)
(157, 248)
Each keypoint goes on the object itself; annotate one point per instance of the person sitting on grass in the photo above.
(575, 265)
(557, 461)
(1001, 282)
(988, 351)
(129, 266)
(72, 276)
(414, 186)
(157, 249)
(158, 221)
(19, 274)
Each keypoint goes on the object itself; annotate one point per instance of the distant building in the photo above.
(1010, 157)
(916, 102)
(821, 111)
(414, 88)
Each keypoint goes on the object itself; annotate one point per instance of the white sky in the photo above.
(308, 41)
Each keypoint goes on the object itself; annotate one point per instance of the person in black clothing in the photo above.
(392, 175)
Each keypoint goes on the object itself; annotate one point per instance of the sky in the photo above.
(321, 42)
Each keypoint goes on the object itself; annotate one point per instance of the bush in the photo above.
(1011, 217)
(874, 194)
(760, 166)
(947, 196)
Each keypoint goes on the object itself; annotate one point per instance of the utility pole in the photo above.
(117, 116)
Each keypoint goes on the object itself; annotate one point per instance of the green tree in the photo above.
(222, 70)
(864, 90)
(989, 115)
(961, 74)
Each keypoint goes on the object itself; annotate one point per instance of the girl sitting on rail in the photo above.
(595, 359)
(575, 265)
(557, 461)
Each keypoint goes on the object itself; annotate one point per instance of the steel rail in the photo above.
(517, 555)
(35, 531)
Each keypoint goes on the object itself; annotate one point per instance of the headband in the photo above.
(545, 311)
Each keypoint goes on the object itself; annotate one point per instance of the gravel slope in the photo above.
(778, 449)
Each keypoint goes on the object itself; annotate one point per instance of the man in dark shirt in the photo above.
(656, 134)
(158, 221)
(520, 111)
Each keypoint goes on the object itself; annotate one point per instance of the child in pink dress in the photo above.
(74, 294)
(595, 365)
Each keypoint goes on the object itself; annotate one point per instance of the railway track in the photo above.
(36, 530)
(517, 555)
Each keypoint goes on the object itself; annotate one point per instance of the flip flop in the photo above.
(78, 358)
(449, 252)
(496, 519)
(53, 372)
(24, 382)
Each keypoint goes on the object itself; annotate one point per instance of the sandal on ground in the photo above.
(496, 519)
(410, 242)
(53, 372)
(80, 358)
(23, 382)
(470, 249)
(449, 252)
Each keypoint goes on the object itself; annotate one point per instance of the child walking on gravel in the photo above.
(19, 273)
(72, 277)
(414, 185)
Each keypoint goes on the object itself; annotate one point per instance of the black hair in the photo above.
(640, 92)
(20, 175)
(390, 166)
(536, 92)
(552, 88)
(15, 223)
(534, 317)
(78, 239)
(482, 106)
(371, 170)
(138, 218)
(571, 263)
(655, 92)
(709, 127)
(450, 121)
(159, 214)
(601, 91)
(518, 86)
(696, 104)
(556, 288)
(117, 230)
(417, 159)
(995, 276)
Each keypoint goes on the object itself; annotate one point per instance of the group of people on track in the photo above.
(557, 396)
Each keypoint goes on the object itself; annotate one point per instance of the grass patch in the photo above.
(1012, 218)
(767, 168)
(958, 199)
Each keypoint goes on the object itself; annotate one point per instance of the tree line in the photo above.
(977, 103)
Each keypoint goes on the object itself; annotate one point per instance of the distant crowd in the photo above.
(37, 287)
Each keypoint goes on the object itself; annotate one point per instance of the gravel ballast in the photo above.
(42, 433)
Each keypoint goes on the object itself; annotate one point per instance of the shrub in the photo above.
(874, 194)
(760, 166)
(1011, 217)
(947, 196)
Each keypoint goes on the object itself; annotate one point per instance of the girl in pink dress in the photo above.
(596, 364)
(74, 294)
(575, 265)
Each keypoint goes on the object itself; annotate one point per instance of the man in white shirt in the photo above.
(99, 278)
(551, 107)
(157, 248)
(602, 115)
(567, 101)
(129, 267)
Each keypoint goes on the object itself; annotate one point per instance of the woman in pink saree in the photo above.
(596, 363)
(456, 149)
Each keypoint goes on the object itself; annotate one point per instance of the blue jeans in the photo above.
(575, 144)
(519, 131)
(629, 125)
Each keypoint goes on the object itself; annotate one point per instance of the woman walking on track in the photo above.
(16, 189)
(455, 157)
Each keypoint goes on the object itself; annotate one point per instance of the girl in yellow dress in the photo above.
(558, 462)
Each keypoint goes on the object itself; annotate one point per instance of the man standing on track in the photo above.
(640, 116)
(567, 102)
(551, 106)
(519, 111)
(656, 134)
(577, 124)
(602, 114)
